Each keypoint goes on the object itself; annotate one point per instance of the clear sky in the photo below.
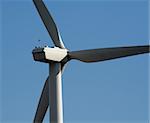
(114, 91)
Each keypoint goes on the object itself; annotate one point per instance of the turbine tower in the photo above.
(58, 56)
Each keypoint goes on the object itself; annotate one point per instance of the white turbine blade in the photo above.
(49, 23)
(63, 66)
(43, 104)
(102, 54)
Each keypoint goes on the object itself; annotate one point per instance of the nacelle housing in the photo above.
(48, 54)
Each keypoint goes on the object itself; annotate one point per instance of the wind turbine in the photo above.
(58, 56)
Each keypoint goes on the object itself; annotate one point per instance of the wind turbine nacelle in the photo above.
(48, 54)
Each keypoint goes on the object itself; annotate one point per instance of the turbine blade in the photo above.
(49, 23)
(43, 104)
(102, 54)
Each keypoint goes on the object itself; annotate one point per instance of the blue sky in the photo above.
(114, 91)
